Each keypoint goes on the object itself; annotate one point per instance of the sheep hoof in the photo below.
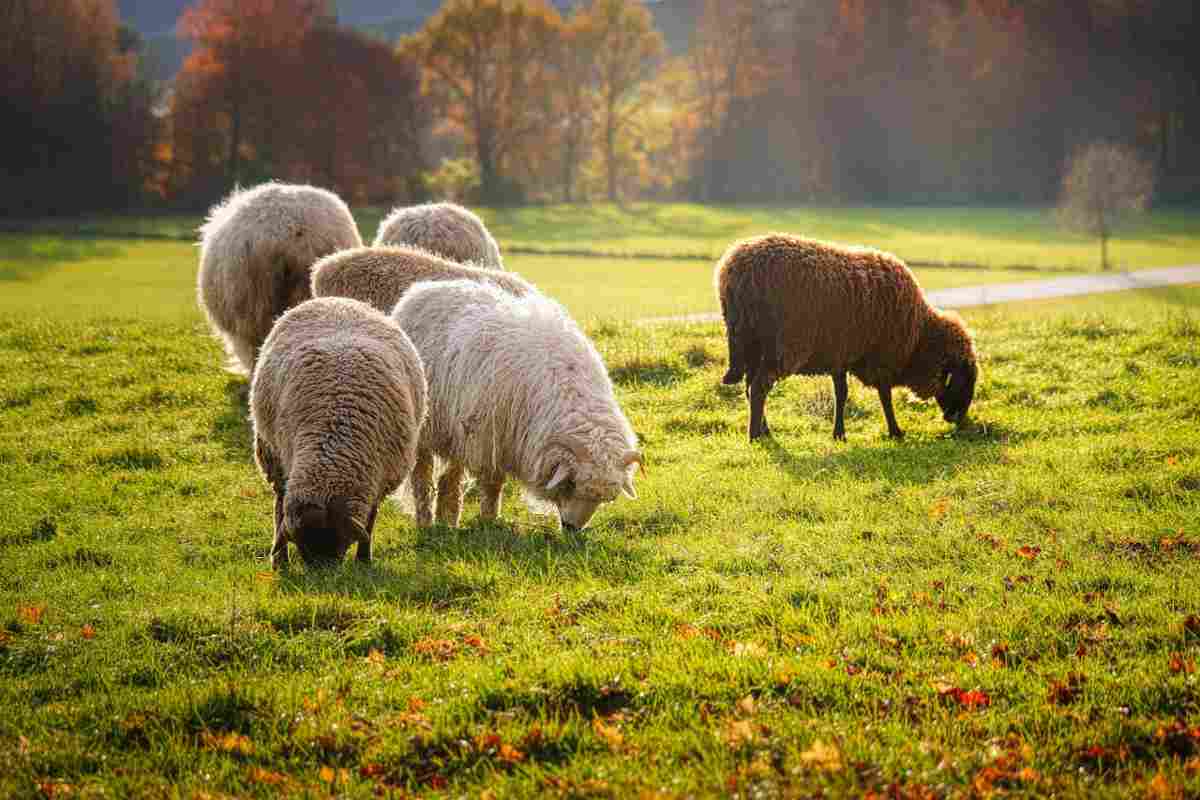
(839, 436)
(896, 434)
(733, 376)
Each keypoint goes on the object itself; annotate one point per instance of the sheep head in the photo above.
(944, 367)
(322, 532)
(579, 482)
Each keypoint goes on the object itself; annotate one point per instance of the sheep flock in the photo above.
(410, 366)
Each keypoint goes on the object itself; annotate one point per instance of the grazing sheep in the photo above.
(515, 388)
(337, 401)
(446, 229)
(256, 250)
(381, 275)
(795, 306)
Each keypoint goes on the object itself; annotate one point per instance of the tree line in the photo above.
(510, 101)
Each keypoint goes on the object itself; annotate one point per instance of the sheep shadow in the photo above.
(532, 550)
(913, 460)
(423, 581)
(232, 428)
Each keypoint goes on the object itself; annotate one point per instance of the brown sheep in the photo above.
(380, 275)
(795, 306)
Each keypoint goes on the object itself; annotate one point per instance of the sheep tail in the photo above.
(737, 347)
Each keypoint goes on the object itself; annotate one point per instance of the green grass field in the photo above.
(988, 237)
(1013, 608)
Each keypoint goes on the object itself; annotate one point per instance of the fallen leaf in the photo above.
(52, 789)
(939, 508)
(509, 754)
(741, 731)
(437, 649)
(375, 657)
(32, 614)
(747, 650)
(746, 705)
(87, 632)
(611, 734)
(1160, 788)
(475, 642)
(231, 742)
(1000, 655)
(1179, 664)
(685, 631)
(1029, 552)
(822, 757)
(970, 659)
(1062, 693)
(260, 775)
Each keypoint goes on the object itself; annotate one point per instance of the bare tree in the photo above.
(1105, 183)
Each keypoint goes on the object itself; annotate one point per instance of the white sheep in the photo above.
(381, 275)
(447, 229)
(337, 400)
(256, 251)
(515, 388)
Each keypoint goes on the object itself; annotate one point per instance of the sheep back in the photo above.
(511, 378)
(256, 251)
(337, 403)
(447, 229)
(811, 307)
(380, 275)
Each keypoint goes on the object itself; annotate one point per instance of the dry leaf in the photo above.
(230, 742)
(741, 731)
(475, 641)
(1029, 551)
(939, 508)
(1181, 664)
(609, 733)
(509, 754)
(87, 632)
(822, 757)
(375, 657)
(327, 774)
(32, 614)
(747, 650)
(746, 705)
(437, 649)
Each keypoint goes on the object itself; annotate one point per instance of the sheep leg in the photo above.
(279, 551)
(840, 391)
(422, 488)
(490, 489)
(450, 494)
(363, 553)
(758, 402)
(885, 399)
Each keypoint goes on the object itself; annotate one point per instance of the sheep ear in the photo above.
(560, 474)
(627, 487)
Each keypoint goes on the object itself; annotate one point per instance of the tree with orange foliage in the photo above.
(489, 64)
(628, 50)
(244, 50)
(75, 122)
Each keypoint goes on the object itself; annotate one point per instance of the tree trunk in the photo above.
(610, 155)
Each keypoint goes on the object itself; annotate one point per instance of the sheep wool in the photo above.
(256, 251)
(381, 275)
(446, 229)
(515, 388)
(796, 306)
(337, 402)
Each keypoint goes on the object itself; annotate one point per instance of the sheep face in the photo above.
(957, 391)
(578, 487)
(322, 534)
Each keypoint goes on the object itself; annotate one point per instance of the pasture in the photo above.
(1013, 607)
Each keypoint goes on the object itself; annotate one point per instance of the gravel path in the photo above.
(964, 296)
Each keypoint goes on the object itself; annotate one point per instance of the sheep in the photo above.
(447, 229)
(381, 275)
(256, 250)
(515, 388)
(337, 403)
(796, 306)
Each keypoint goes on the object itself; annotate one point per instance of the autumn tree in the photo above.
(489, 63)
(77, 126)
(628, 50)
(730, 61)
(574, 88)
(1104, 184)
(243, 50)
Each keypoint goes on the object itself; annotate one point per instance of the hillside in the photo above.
(389, 19)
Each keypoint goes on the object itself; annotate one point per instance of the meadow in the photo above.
(1011, 607)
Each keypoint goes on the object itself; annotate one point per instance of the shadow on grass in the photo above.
(424, 581)
(537, 552)
(232, 428)
(911, 461)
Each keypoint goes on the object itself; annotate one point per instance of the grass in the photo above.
(995, 238)
(1013, 607)
(156, 279)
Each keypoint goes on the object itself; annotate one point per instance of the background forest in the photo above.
(525, 101)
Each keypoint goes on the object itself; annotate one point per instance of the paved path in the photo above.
(988, 294)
